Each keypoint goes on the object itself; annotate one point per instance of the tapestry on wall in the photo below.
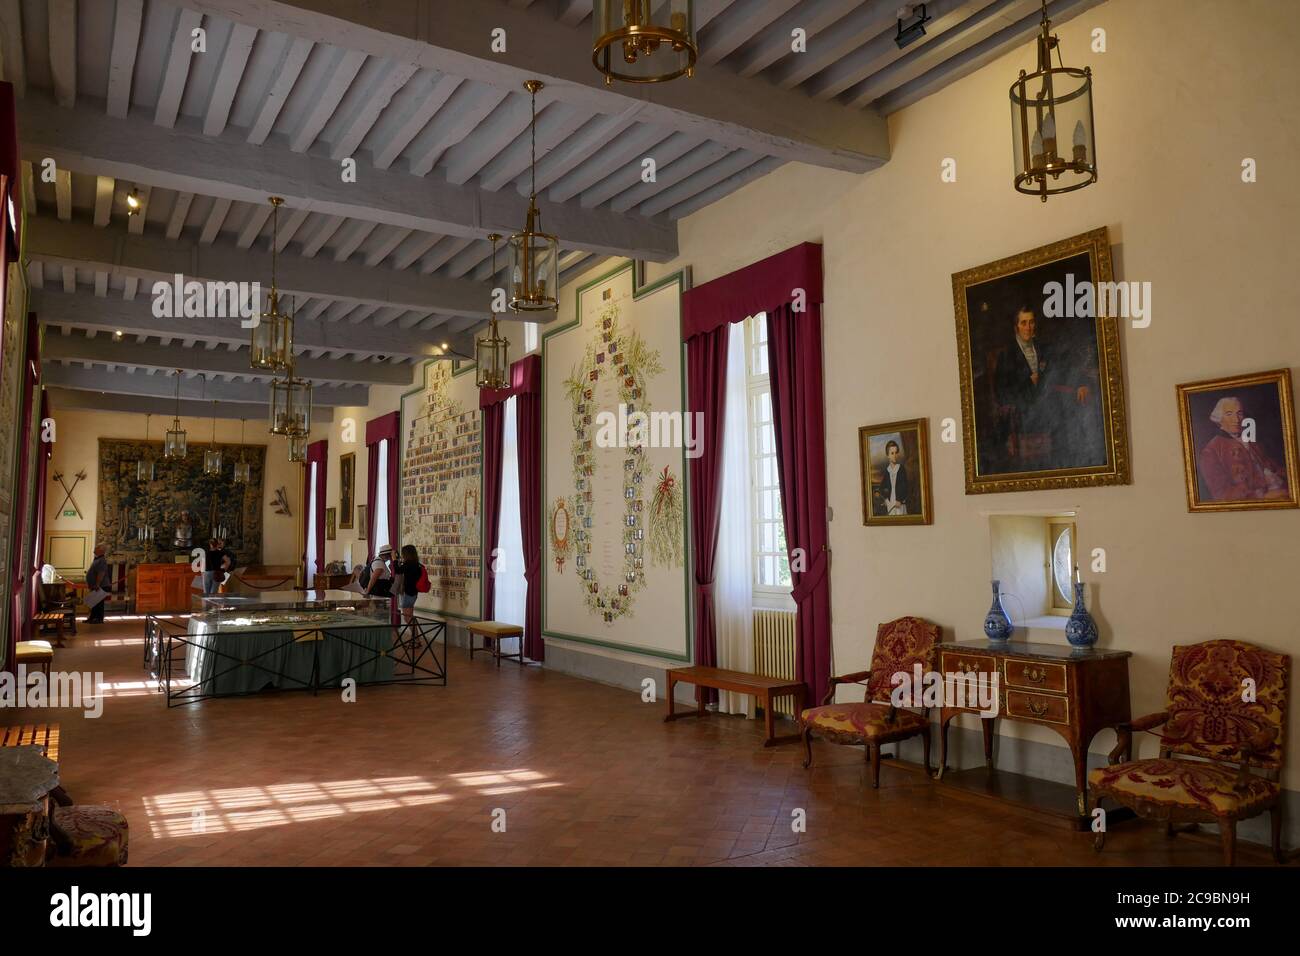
(13, 347)
(150, 521)
(615, 520)
(441, 481)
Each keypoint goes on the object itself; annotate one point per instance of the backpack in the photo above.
(423, 584)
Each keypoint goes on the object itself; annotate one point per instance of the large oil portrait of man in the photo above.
(1239, 442)
(1042, 390)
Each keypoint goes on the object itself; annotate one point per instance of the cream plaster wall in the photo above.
(1187, 90)
(76, 448)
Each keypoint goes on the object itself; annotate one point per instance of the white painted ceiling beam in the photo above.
(415, 106)
(370, 103)
(507, 124)
(454, 38)
(75, 245)
(811, 16)
(136, 318)
(693, 185)
(638, 143)
(233, 61)
(123, 383)
(468, 107)
(62, 33)
(227, 167)
(739, 23)
(180, 210)
(62, 399)
(127, 16)
(11, 46)
(838, 40)
(177, 70)
(286, 75)
(63, 193)
(104, 186)
(343, 68)
(670, 175)
(725, 188)
(555, 124)
(289, 228)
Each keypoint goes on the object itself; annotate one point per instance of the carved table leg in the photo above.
(671, 684)
(944, 719)
(986, 724)
(1079, 751)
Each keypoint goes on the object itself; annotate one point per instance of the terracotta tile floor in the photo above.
(586, 774)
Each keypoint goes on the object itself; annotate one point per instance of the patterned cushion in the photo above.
(862, 720)
(1207, 715)
(900, 645)
(89, 836)
(1184, 784)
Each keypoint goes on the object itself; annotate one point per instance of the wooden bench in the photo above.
(50, 619)
(45, 736)
(34, 654)
(496, 632)
(765, 689)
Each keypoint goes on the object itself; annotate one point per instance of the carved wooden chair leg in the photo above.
(1275, 818)
(807, 748)
(925, 749)
(1228, 834)
(873, 753)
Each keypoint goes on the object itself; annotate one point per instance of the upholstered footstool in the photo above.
(88, 836)
(35, 654)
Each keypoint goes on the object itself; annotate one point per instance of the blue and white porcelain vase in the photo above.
(1080, 629)
(997, 626)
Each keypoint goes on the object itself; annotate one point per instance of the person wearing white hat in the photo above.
(381, 575)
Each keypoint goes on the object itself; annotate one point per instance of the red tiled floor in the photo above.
(586, 775)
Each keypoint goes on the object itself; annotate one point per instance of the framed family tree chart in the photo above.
(441, 487)
(614, 469)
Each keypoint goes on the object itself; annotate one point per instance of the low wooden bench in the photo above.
(45, 736)
(765, 689)
(51, 619)
(496, 632)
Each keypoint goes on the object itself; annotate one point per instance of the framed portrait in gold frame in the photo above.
(895, 462)
(347, 487)
(1042, 386)
(330, 527)
(1239, 442)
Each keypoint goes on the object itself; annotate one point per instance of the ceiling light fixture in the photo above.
(1049, 100)
(212, 457)
(174, 446)
(243, 470)
(534, 255)
(134, 204)
(915, 29)
(492, 352)
(271, 345)
(644, 41)
(144, 466)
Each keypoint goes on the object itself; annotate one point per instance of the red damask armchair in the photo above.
(1225, 714)
(900, 645)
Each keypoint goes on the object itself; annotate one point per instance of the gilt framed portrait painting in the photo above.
(895, 462)
(1239, 442)
(1042, 389)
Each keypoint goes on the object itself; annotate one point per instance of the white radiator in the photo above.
(774, 651)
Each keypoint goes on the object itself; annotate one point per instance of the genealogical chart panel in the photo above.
(442, 477)
(614, 469)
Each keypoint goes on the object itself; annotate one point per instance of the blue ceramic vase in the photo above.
(1080, 629)
(997, 626)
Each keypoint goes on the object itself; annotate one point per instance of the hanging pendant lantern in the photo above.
(644, 41)
(534, 255)
(297, 447)
(144, 467)
(271, 345)
(212, 457)
(290, 406)
(1045, 104)
(492, 352)
(243, 470)
(174, 446)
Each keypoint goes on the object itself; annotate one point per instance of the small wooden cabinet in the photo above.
(1076, 692)
(163, 588)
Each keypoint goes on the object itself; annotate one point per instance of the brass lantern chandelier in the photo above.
(644, 41)
(298, 448)
(492, 352)
(212, 457)
(144, 466)
(534, 255)
(290, 406)
(243, 470)
(271, 345)
(174, 445)
(1052, 102)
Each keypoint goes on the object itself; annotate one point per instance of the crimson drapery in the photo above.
(794, 356)
(526, 387)
(494, 429)
(788, 288)
(43, 455)
(9, 198)
(706, 390)
(23, 527)
(318, 455)
(383, 428)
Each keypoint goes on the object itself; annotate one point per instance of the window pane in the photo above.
(1063, 563)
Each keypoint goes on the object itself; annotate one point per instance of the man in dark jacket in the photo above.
(98, 578)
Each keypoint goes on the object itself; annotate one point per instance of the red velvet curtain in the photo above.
(494, 422)
(383, 428)
(526, 387)
(794, 352)
(23, 525)
(788, 288)
(9, 244)
(706, 391)
(43, 455)
(318, 455)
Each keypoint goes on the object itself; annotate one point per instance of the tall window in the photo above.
(380, 531)
(771, 559)
(511, 588)
(313, 504)
(530, 336)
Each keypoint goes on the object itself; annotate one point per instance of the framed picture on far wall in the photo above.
(330, 525)
(347, 487)
(895, 460)
(1239, 442)
(361, 522)
(1042, 388)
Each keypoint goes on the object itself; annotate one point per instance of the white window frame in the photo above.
(759, 387)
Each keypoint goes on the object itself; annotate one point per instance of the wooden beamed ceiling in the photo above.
(285, 95)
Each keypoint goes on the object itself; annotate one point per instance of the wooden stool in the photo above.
(47, 619)
(39, 653)
(496, 632)
(45, 736)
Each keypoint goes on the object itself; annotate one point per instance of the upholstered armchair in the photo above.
(900, 646)
(1225, 716)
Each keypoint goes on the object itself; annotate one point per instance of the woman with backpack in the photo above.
(410, 580)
